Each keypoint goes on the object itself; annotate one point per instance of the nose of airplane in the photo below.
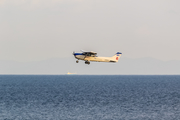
(74, 53)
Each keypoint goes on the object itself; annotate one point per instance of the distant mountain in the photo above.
(143, 66)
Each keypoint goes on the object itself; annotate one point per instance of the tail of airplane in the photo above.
(116, 57)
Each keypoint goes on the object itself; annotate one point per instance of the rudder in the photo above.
(116, 56)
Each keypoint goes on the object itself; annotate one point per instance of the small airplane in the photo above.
(92, 56)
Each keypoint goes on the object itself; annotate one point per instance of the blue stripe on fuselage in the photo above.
(77, 54)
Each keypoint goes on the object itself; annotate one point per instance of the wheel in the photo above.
(87, 62)
(77, 61)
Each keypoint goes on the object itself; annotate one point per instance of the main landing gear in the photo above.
(87, 62)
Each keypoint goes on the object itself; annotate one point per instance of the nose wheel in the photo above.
(87, 62)
(77, 61)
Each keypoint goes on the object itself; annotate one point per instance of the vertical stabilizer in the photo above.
(116, 56)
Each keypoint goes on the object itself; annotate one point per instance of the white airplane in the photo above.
(92, 56)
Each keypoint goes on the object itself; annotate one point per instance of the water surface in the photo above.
(103, 97)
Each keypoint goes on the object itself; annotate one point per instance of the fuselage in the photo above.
(94, 58)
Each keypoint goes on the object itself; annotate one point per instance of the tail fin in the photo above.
(116, 56)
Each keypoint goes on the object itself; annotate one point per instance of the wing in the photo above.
(90, 53)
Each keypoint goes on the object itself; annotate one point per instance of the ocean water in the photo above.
(85, 97)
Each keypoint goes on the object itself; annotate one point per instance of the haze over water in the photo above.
(89, 97)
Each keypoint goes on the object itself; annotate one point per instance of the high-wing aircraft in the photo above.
(92, 56)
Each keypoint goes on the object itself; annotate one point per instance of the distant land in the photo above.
(125, 66)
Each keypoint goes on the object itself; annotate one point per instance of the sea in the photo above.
(89, 97)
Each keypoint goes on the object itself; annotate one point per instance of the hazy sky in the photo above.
(33, 30)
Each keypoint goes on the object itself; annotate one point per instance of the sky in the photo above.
(35, 30)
